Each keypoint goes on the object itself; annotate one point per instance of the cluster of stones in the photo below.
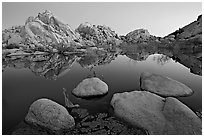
(156, 109)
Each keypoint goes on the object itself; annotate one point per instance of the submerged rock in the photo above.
(91, 87)
(67, 101)
(163, 86)
(48, 114)
(156, 114)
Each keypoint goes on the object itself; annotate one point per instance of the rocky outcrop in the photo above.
(190, 31)
(156, 114)
(98, 34)
(48, 114)
(43, 32)
(90, 87)
(139, 36)
(163, 86)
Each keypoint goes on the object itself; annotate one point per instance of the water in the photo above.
(24, 82)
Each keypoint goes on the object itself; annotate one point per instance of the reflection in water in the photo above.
(55, 65)
(161, 59)
(191, 58)
(117, 71)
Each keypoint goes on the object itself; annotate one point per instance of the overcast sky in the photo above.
(159, 18)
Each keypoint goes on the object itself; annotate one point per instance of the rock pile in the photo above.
(98, 34)
(43, 32)
(139, 36)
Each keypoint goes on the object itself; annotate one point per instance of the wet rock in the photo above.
(50, 115)
(156, 114)
(102, 124)
(91, 87)
(98, 34)
(82, 113)
(163, 86)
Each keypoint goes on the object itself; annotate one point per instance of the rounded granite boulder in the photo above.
(90, 87)
(50, 115)
(163, 86)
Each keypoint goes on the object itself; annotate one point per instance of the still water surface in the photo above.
(21, 86)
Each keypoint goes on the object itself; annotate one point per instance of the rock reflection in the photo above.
(161, 59)
(55, 65)
(48, 66)
(52, 66)
(186, 53)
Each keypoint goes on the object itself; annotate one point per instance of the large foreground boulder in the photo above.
(156, 114)
(48, 114)
(163, 86)
(90, 87)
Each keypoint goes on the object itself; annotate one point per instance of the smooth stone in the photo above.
(49, 114)
(155, 114)
(90, 87)
(163, 86)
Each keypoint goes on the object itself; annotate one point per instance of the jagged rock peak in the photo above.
(43, 32)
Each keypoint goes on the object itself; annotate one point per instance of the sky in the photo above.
(160, 19)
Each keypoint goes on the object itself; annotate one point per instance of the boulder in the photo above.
(163, 86)
(155, 114)
(90, 87)
(49, 114)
